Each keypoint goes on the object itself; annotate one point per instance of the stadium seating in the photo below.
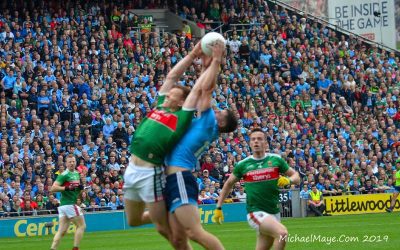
(76, 80)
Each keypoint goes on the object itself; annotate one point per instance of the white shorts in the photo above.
(256, 218)
(144, 183)
(70, 211)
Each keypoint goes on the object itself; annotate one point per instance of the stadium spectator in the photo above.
(204, 198)
(304, 193)
(316, 202)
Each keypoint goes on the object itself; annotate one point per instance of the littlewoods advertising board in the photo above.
(359, 204)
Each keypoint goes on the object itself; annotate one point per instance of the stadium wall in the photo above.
(103, 221)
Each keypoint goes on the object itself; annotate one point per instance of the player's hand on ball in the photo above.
(197, 52)
(218, 216)
(218, 50)
(283, 181)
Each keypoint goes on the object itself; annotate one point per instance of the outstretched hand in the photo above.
(197, 52)
(218, 50)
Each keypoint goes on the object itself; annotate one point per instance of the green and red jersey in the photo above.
(158, 133)
(260, 178)
(65, 179)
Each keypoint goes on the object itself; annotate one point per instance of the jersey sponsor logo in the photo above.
(264, 174)
(75, 182)
(167, 119)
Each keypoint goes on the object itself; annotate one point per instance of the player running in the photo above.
(261, 174)
(68, 183)
(155, 137)
(181, 187)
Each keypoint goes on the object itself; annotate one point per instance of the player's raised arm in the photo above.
(177, 71)
(208, 86)
(206, 82)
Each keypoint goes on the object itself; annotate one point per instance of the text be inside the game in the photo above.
(359, 204)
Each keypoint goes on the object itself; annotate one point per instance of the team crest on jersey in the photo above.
(167, 119)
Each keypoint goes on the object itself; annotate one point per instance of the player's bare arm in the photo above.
(177, 71)
(209, 84)
(228, 185)
(57, 187)
(293, 176)
(206, 81)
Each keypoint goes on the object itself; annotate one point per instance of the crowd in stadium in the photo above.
(77, 77)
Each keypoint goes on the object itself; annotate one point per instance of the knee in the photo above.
(134, 221)
(82, 227)
(282, 232)
(179, 241)
(163, 230)
(193, 234)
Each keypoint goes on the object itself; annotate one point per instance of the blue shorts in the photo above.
(397, 189)
(181, 189)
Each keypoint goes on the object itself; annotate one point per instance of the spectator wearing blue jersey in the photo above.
(323, 83)
(43, 101)
(7, 83)
(304, 193)
(108, 128)
(112, 204)
(301, 87)
(49, 77)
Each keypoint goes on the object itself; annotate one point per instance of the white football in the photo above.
(210, 39)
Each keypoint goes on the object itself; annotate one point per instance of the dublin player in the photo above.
(261, 173)
(181, 186)
(68, 183)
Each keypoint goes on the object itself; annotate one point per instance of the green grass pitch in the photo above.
(369, 231)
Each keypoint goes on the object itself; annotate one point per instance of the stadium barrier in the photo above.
(103, 221)
(359, 204)
(290, 203)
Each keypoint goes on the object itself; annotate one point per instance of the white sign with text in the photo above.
(372, 19)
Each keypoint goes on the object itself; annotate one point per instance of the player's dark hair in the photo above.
(185, 90)
(254, 130)
(231, 123)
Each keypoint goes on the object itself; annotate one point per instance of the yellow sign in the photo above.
(359, 204)
(22, 228)
(205, 215)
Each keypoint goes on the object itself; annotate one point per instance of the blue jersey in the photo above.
(202, 132)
